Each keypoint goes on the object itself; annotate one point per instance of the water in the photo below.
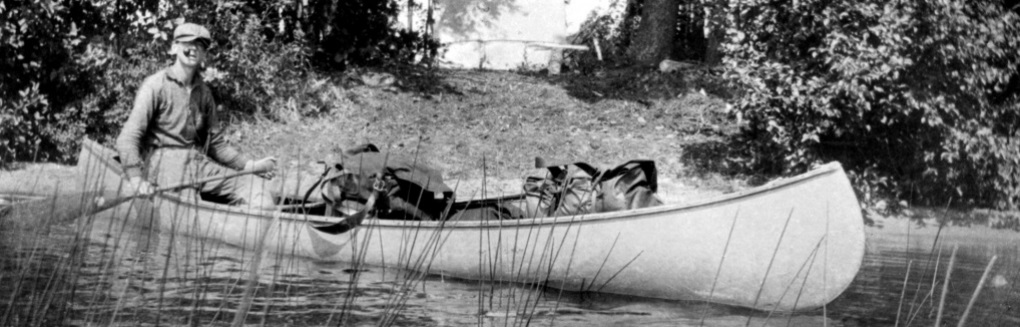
(117, 273)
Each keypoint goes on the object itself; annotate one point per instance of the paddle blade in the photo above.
(351, 222)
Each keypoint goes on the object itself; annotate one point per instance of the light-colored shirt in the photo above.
(168, 113)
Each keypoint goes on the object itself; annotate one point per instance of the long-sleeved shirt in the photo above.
(168, 113)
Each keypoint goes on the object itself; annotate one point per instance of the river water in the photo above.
(117, 273)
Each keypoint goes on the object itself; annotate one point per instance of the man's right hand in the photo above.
(265, 167)
(140, 186)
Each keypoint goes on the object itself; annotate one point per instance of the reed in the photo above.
(718, 270)
(420, 264)
(803, 283)
(825, 268)
(253, 272)
(107, 263)
(945, 286)
(808, 263)
(977, 291)
(903, 293)
(928, 263)
(934, 282)
(906, 276)
(570, 264)
(771, 261)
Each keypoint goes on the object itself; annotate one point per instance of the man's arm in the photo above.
(216, 142)
(129, 142)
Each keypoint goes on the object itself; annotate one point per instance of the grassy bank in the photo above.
(471, 124)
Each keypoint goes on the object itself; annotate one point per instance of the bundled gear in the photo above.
(404, 188)
(580, 188)
(368, 182)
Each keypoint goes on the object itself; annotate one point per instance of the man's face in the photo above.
(190, 54)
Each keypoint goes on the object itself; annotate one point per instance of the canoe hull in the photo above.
(795, 244)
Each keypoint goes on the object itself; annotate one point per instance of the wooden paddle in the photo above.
(73, 205)
(103, 205)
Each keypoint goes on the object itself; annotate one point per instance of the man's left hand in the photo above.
(265, 167)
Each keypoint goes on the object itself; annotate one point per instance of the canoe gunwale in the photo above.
(774, 186)
(21, 196)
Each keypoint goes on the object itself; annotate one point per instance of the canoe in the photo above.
(793, 244)
(10, 199)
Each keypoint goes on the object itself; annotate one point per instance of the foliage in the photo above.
(21, 118)
(612, 30)
(910, 94)
(37, 40)
(253, 70)
(359, 32)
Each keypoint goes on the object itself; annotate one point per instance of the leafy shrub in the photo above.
(254, 70)
(19, 120)
(910, 90)
(37, 75)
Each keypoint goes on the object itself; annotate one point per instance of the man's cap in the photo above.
(189, 32)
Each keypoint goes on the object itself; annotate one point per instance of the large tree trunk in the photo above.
(654, 38)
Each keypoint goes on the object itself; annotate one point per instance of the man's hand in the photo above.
(265, 167)
(140, 186)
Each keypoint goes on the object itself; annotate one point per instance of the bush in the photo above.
(909, 90)
(251, 71)
(38, 77)
(18, 121)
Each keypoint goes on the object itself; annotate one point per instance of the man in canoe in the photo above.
(173, 134)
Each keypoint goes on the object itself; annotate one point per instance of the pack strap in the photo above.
(558, 169)
(315, 185)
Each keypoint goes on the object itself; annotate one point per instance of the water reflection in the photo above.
(875, 296)
(125, 273)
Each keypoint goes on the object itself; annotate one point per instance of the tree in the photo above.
(913, 96)
(653, 40)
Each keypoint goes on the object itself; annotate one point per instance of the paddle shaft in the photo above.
(113, 203)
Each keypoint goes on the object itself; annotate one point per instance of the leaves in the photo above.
(910, 91)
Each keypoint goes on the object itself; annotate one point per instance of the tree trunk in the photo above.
(654, 38)
(715, 25)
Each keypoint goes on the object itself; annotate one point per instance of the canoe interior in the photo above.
(491, 208)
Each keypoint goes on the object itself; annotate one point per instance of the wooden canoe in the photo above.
(793, 244)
